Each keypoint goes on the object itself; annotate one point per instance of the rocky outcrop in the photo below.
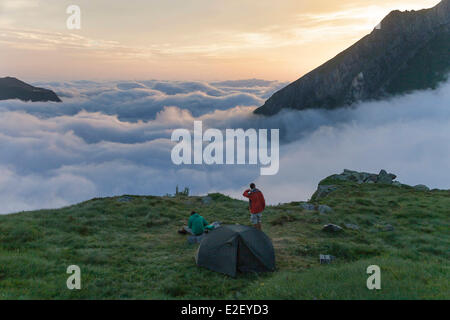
(12, 88)
(409, 51)
(330, 184)
(364, 177)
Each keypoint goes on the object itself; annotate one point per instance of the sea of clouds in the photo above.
(113, 138)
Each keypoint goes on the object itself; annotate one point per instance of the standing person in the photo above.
(257, 203)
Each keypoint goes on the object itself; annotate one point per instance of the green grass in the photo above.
(131, 250)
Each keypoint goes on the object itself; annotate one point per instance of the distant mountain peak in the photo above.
(13, 88)
(407, 51)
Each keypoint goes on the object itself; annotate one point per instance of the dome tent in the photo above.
(233, 248)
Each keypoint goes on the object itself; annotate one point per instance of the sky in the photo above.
(182, 40)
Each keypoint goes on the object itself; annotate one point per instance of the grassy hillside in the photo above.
(128, 248)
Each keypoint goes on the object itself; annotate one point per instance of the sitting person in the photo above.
(196, 225)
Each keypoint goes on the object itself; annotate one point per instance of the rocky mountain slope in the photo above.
(408, 51)
(12, 88)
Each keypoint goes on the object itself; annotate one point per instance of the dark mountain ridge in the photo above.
(12, 88)
(407, 51)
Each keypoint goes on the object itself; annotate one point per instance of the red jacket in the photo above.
(257, 202)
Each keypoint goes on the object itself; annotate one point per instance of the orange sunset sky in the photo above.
(182, 40)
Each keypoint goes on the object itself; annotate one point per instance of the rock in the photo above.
(324, 188)
(355, 176)
(386, 178)
(324, 209)
(352, 226)
(340, 177)
(331, 228)
(323, 191)
(388, 227)
(372, 178)
(125, 199)
(326, 258)
(421, 187)
(361, 177)
(307, 206)
(349, 175)
(206, 200)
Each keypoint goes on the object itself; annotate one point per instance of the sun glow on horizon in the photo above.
(202, 40)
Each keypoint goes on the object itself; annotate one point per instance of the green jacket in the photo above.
(197, 224)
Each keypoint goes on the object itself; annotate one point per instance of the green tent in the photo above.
(232, 248)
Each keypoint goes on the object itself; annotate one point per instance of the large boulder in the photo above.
(324, 209)
(323, 190)
(385, 178)
(331, 228)
(421, 187)
(364, 177)
(125, 199)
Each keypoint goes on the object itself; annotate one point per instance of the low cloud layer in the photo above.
(112, 138)
(142, 100)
